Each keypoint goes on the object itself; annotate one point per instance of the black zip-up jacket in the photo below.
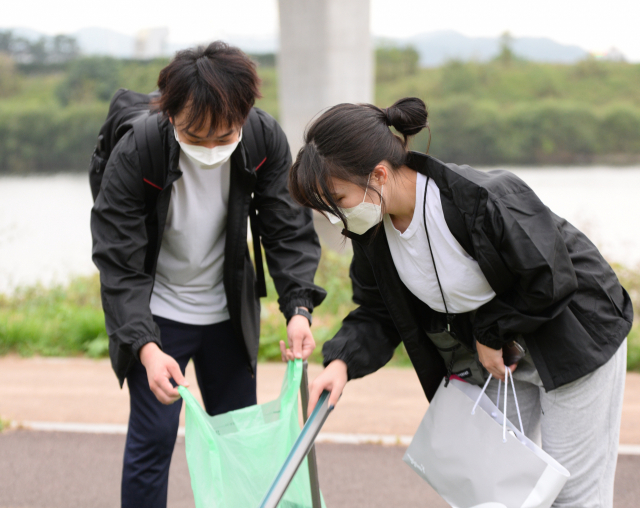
(127, 261)
(552, 286)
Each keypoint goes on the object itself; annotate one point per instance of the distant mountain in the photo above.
(435, 48)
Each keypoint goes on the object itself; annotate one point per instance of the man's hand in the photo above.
(491, 359)
(160, 369)
(300, 339)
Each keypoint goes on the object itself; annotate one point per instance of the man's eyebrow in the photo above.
(191, 134)
(226, 134)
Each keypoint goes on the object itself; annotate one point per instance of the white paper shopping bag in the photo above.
(474, 457)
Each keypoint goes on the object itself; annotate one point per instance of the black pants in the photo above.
(225, 384)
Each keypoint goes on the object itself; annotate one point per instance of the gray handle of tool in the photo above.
(311, 458)
(301, 448)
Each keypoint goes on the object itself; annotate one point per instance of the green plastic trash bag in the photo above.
(234, 457)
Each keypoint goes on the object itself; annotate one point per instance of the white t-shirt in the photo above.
(189, 286)
(463, 283)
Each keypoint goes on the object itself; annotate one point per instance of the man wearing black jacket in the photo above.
(191, 294)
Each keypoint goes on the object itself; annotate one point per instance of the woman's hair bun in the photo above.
(408, 116)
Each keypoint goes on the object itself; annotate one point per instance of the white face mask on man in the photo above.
(361, 218)
(208, 158)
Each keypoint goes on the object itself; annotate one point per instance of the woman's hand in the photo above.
(160, 369)
(333, 379)
(300, 339)
(491, 359)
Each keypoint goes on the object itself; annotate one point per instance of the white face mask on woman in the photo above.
(209, 158)
(361, 218)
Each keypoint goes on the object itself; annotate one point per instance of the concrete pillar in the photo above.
(325, 58)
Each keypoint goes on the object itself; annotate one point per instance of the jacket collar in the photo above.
(418, 162)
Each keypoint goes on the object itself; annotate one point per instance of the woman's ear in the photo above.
(380, 175)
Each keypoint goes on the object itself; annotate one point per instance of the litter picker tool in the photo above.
(302, 447)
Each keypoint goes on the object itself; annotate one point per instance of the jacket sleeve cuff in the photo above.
(494, 341)
(330, 354)
(297, 300)
(137, 345)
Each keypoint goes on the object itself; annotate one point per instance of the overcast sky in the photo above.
(593, 25)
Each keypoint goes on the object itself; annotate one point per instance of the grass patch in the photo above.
(57, 321)
(633, 349)
(333, 276)
(68, 320)
(4, 424)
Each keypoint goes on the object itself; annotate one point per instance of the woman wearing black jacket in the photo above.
(457, 263)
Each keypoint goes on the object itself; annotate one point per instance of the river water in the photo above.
(44, 220)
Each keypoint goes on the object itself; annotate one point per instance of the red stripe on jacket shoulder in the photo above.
(152, 184)
(259, 165)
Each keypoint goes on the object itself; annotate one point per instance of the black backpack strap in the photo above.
(256, 149)
(146, 132)
(148, 139)
(255, 141)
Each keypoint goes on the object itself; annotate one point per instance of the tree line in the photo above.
(508, 111)
(42, 53)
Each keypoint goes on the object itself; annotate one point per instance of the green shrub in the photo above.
(141, 76)
(97, 78)
(465, 130)
(592, 83)
(38, 134)
(90, 79)
(394, 63)
(550, 132)
(68, 321)
(58, 321)
(332, 275)
(619, 130)
(269, 90)
(10, 81)
(48, 138)
(459, 78)
(633, 349)
(489, 113)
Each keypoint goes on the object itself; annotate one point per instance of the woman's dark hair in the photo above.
(219, 83)
(347, 142)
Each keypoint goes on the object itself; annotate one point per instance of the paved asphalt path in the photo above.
(73, 470)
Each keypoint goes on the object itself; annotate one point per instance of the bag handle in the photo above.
(508, 375)
(291, 383)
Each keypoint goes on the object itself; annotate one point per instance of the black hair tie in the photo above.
(387, 117)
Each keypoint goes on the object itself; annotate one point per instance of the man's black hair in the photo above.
(218, 83)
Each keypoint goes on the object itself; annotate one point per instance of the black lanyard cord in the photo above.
(424, 218)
